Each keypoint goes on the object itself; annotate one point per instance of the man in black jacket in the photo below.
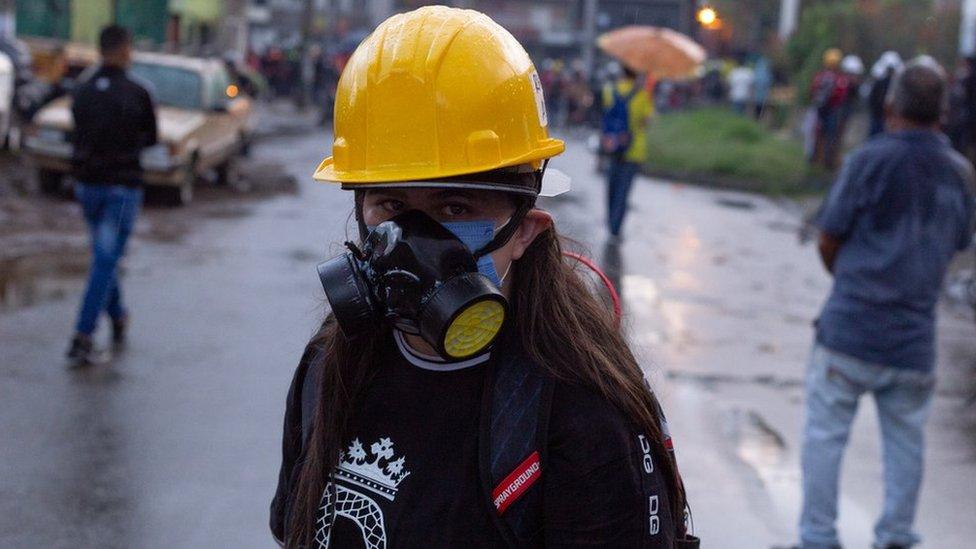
(114, 120)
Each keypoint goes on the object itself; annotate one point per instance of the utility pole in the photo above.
(967, 29)
(305, 68)
(233, 28)
(8, 18)
(590, 11)
(789, 12)
(686, 17)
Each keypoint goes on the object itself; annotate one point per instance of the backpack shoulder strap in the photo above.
(617, 97)
(624, 98)
(514, 427)
(310, 395)
(632, 93)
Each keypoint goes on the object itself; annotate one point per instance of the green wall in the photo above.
(200, 10)
(146, 19)
(51, 18)
(82, 20)
(88, 17)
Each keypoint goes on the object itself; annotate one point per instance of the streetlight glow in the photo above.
(707, 16)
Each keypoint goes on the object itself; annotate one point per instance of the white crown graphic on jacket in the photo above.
(376, 470)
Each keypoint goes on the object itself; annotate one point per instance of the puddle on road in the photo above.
(785, 227)
(641, 292)
(26, 281)
(736, 203)
(710, 379)
(304, 255)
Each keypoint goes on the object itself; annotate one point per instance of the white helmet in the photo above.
(888, 59)
(852, 64)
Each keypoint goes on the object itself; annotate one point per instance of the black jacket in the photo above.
(521, 414)
(114, 120)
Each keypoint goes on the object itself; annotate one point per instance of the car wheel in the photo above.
(49, 181)
(245, 146)
(182, 194)
(229, 173)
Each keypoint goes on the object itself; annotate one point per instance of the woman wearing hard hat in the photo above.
(466, 387)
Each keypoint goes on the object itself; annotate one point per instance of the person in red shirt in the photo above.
(828, 93)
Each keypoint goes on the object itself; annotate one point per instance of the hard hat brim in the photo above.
(410, 175)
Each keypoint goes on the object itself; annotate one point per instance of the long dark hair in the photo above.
(551, 309)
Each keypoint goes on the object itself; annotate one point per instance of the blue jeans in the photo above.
(620, 178)
(110, 211)
(835, 383)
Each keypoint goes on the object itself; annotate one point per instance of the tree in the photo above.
(867, 28)
(752, 23)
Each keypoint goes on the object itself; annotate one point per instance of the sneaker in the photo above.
(119, 328)
(82, 351)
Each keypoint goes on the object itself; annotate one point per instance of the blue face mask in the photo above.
(475, 234)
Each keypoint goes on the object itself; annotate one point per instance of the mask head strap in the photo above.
(359, 197)
(525, 203)
(507, 230)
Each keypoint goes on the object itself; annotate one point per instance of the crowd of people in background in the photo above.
(839, 90)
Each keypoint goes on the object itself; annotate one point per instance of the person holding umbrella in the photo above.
(661, 53)
(627, 110)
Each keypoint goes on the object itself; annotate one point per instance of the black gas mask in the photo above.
(415, 274)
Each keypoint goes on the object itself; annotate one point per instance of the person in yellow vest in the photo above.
(466, 389)
(627, 110)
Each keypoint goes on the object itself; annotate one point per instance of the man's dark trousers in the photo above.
(620, 178)
(110, 212)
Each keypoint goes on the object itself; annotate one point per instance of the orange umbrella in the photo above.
(662, 52)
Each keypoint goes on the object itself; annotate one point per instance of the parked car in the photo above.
(204, 125)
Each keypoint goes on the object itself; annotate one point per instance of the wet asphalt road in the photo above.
(175, 442)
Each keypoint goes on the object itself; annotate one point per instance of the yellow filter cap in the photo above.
(474, 329)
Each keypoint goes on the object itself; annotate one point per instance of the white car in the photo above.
(204, 124)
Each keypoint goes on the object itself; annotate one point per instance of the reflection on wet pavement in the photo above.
(755, 441)
(26, 281)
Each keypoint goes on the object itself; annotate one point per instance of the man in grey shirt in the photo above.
(900, 209)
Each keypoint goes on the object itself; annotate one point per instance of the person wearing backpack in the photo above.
(829, 93)
(628, 108)
(466, 389)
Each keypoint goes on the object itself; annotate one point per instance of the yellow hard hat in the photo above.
(832, 57)
(434, 93)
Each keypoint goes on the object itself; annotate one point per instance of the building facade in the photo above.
(177, 25)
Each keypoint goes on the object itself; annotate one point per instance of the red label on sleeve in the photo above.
(517, 482)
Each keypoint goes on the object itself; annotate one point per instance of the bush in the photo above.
(867, 30)
(715, 145)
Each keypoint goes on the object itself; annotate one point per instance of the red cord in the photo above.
(614, 296)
